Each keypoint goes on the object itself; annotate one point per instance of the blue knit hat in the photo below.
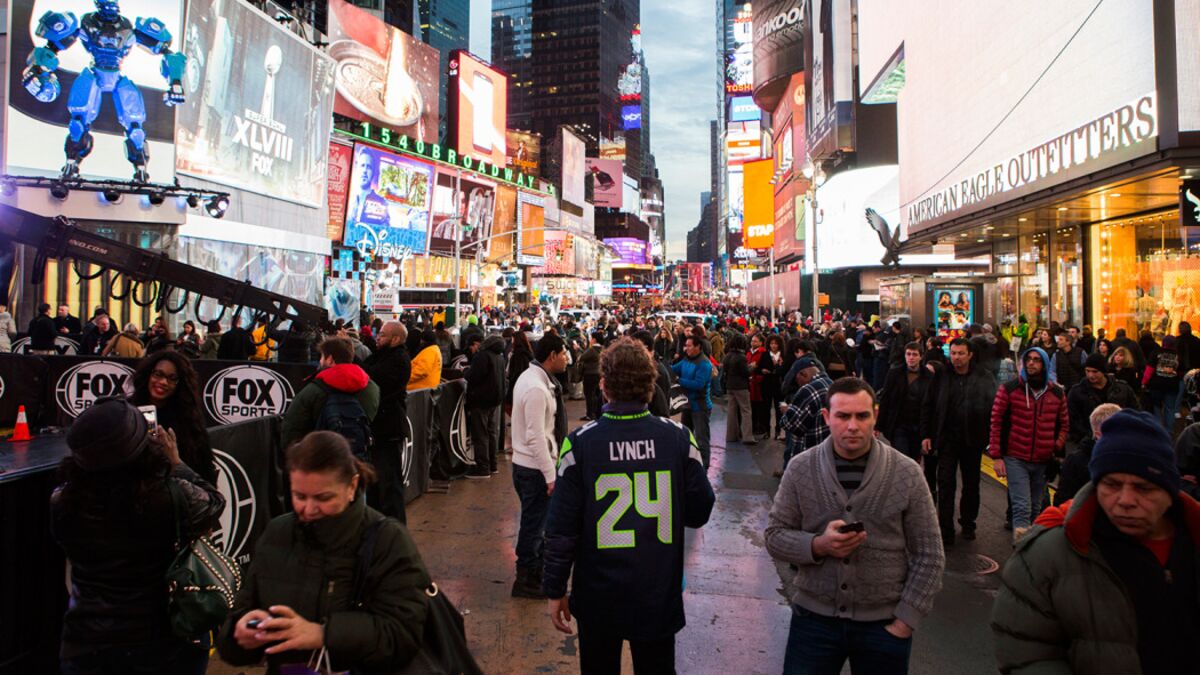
(1133, 442)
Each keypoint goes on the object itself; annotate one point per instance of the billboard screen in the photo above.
(389, 203)
(35, 131)
(631, 117)
(607, 176)
(524, 152)
(262, 105)
(758, 220)
(743, 109)
(341, 158)
(384, 75)
(743, 141)
(531, 234)
(613, 148)
(631, 252)
(478, 108)
(739, 57)
(573, 167)
(778, 47)
(560, 254)
(471, 200)
(734, 198)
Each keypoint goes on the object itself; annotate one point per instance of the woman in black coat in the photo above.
(114, 517)
(518, 361)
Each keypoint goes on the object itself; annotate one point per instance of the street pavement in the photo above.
(735, 598)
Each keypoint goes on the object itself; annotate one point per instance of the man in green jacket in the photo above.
(338, 372)
(1109, 582)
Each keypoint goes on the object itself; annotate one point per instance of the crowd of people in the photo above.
(878, 425)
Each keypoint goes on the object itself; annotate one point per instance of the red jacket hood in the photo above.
(345, 377)
(1078, 519)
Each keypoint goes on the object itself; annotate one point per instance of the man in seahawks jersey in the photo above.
(628, 483)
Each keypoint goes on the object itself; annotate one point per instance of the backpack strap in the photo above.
(362, 560)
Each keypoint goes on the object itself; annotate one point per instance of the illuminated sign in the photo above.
(524, 152)
(436, 153)
(531, 229)
(607, 182)
(389, 203)
(479, 110)
(629, 84)
(739, 59)
(742, 109)
(631, 252)
(631, 117)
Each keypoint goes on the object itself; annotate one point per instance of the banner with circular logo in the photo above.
(246, 392)
(83, 384)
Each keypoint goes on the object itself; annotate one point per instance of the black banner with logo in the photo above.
(414, 459)
(450, 453)
(237, 391)
(74, 383)
(250, 476)
(22, 383)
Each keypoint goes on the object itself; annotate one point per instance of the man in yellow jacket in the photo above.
(427, 364)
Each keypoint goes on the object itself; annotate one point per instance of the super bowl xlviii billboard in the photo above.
(35, 131)
(260, 104)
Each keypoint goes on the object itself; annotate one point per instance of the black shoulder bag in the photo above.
(444, 648)
(201, 582)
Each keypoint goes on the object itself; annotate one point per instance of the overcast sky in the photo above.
(679, 40)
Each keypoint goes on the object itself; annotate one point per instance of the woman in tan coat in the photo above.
(126, 344)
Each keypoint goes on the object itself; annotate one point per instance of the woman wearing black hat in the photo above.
(114, 518)
(167, 381)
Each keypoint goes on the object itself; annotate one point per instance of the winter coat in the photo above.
(977, 405)
(94, 341)
(119, 549)
(1062, 607)
(1085, 398)
(895, 392)
(235, 345)
(1069, 367)
(211, 346)
(695, 376)
(1074, 474)
(42, 333)
(390, 368)
(310, 567)
(518, 363)
(589, 362)
(1026, 425)
(737, 371)
(124, 346)
(485, 377)
(8, 331)
(305, 410)
(426, 369)
(718, 345)
(755, 359)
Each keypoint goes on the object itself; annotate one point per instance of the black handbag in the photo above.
(444, 648)
(201, 582)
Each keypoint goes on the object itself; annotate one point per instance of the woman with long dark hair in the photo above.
(773, 370)
(167, 381)
(115, 518)
(518, 361)
(759, 363)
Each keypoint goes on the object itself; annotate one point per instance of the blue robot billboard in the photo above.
(107, 37)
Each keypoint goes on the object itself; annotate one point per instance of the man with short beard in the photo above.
(390, 368)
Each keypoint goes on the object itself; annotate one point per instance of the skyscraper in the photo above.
(444, 25)
(512, 52)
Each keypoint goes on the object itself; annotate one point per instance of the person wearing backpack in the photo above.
(341, 397)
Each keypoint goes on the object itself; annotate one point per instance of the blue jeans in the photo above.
(1026, 486)
(531, 490)
(820, 645)
(170, 655)
(1166, 404)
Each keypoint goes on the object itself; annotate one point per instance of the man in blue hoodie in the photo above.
(694, 371)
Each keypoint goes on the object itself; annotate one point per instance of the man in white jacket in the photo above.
(538, 427)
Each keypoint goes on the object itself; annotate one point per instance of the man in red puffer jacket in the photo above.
(1029, 427)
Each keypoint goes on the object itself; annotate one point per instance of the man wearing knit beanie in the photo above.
(1098, 387)
(1108, 582)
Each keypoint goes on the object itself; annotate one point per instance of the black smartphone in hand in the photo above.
(850, 528)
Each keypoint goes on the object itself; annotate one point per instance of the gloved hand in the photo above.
(174, 65)
(41, 83)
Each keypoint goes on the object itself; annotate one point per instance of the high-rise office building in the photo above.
(444, 25)
(587, 73)
(512, 52)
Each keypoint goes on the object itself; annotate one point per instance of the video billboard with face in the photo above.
(387, 213)
(462, 207)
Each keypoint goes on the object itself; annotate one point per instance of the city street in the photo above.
(737, 614)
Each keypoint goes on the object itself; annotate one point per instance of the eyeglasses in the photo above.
(165, 377)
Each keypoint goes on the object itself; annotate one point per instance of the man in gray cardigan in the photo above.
(856, 518)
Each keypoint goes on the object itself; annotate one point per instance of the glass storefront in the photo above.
(1145, 272)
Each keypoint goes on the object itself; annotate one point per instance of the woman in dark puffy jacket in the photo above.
(115, 519)
(300, 589)
(736, 371)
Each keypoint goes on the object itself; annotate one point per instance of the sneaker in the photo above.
(478, 473)
(527, 586)
(968, 533)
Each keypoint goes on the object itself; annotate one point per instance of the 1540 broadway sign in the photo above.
(1100, 141)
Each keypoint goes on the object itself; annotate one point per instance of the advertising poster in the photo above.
(613, 148)
(607, 177)
(778, 47)
(743, 109)
(739, 59)
(35, 131)
(341, 158)
(259, 113)
(531, 235)
(472, 201)
(733, 213)
(631, 117)
(295, 274)
(743, 141)
(478, 108)
(573, 166)
(758, 220)
(954, 309)
(343, 297)
(504, 223)
(384, 76)
(524, 152)
(631, 252)
(388, 205)
(560, 254)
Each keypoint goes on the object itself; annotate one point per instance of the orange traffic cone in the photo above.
(21, 431)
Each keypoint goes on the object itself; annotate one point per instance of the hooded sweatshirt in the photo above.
(486, 385)
(305, 410)
(1029, 422)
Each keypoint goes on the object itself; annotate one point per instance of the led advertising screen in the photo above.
(758, 219)
(524, 152)
(614, 147)
(504, 224)
(341, 158)
(734, 198)
(560, 254)
(742, 109)
(739, 57)
(478, 108)
(573, 167)
(631, 252)
(531, 232)
(35, 131)
(607, 176)
(262, 105)
(743, 141)
(389, 204)
(384, 75)
(470, 200)
(631, 117)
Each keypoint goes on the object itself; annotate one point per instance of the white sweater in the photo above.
(533, 422)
